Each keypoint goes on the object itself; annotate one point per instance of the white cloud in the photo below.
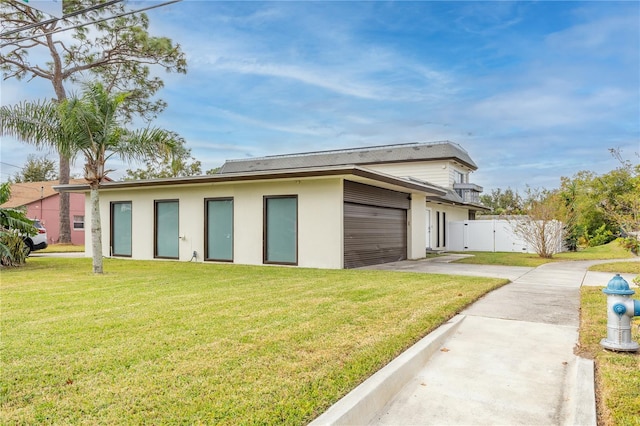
(530, 102)
(599, 36)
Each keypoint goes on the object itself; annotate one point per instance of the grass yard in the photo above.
(613, 250)
(618, 267)
(154, 342)
(617, 373)
(62, 248)
(503, 258)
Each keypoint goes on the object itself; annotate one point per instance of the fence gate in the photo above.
(485, 235)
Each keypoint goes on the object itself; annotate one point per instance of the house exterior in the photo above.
(42, 202)
(329, 209)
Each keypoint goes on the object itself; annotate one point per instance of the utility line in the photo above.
(65, 16)
(7, 164)
(89, 23)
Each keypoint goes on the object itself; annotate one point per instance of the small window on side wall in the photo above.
(281, 230)
(78, 222)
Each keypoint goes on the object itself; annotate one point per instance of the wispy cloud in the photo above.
(533, 90)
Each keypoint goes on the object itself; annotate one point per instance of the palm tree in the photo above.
(85, 125)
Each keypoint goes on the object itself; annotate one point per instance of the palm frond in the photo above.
(145, 143)
(15, 219)
(36, 123)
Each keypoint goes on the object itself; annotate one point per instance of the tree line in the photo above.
(594, 208)
(177, 163)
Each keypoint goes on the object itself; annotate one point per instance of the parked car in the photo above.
(38, 241)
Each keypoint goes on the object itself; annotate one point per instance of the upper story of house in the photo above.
(445, 164)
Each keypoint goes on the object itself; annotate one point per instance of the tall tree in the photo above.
(89, 126)
(604, 204)
(37, 169)
(502, 202)
(178, 163)
(119, 52)
(568, 195)
(623, 207)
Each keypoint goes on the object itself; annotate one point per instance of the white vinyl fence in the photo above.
(487, 235)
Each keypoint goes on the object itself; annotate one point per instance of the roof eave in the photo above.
(473, 206)
(263, 175)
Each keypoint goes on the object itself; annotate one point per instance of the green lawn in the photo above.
(613, 250)
(503, 258)
(191, 343)
(618, 267)
(62, 248)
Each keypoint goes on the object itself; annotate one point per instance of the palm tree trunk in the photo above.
(96, 230)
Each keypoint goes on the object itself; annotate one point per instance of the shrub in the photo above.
(601, 236)
(12, 249)
(630, 243)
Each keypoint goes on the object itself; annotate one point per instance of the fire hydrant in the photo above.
(620, 309)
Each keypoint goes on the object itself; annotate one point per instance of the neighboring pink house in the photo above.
(43, 203)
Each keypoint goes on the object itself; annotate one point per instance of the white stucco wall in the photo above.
(452, 214)
(320, 213)
(416, 222)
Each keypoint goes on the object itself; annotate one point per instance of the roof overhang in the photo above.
(350, 172)
(450, 202)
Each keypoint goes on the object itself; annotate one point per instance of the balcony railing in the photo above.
(469, 192)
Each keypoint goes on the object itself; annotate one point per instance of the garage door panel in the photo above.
(374, 235)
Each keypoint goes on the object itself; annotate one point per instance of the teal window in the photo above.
(281, 230)
(120, 228)
(166, 229)
(219, 229)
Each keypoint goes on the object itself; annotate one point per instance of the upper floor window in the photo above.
(459, 177)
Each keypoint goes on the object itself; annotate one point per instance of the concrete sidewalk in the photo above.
(506, 360)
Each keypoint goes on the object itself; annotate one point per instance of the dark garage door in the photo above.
(375, 225)
(373, 235)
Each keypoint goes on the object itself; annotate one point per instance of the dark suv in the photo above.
(38, 241)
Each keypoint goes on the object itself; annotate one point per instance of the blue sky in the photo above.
(532, 90)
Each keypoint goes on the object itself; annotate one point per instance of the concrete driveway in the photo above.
(443, 265)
